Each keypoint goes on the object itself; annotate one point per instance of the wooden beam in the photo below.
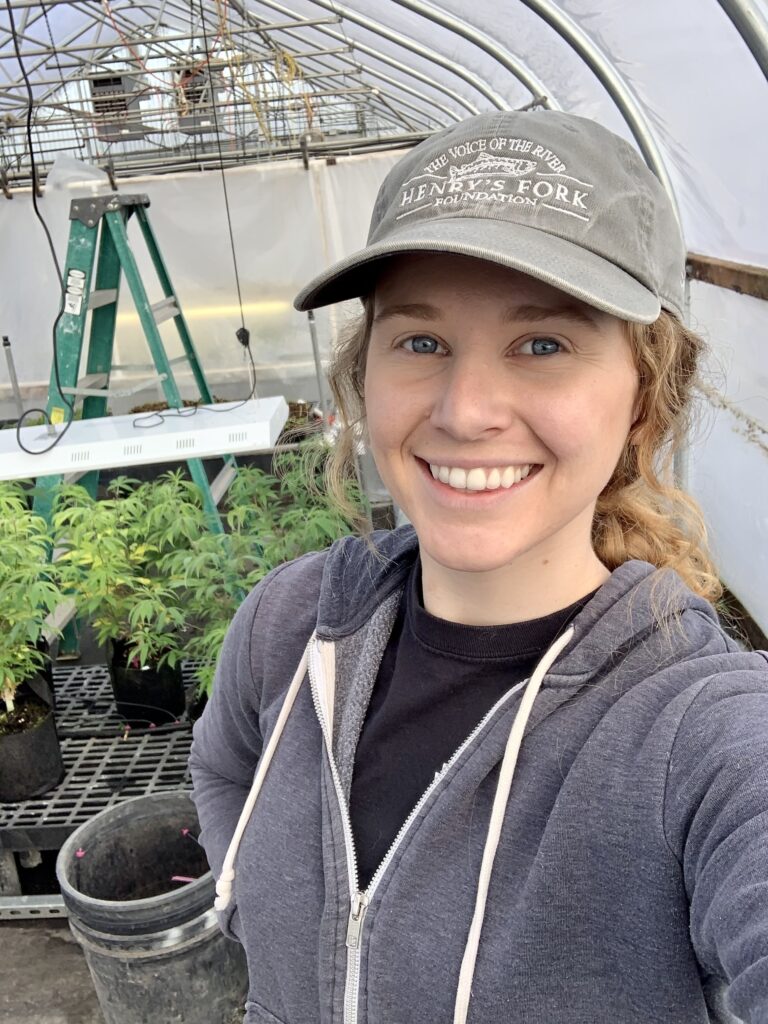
(739, 277)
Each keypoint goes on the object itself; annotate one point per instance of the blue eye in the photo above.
(542, 346)
(422, 344)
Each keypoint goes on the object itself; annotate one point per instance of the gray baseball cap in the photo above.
(551, 194)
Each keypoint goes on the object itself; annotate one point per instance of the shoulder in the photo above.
(288, 594)
(331, 590)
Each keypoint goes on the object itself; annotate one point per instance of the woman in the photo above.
(525, 780)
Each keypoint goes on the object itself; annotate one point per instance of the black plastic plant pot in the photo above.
(139, 896)
(30, 761)
(145, 696)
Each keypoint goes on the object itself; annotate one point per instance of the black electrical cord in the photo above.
(221, 161)
(38, 214)
(157, 418)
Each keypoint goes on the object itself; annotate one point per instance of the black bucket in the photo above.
(153, 947)
(145, 696)
(30, 761)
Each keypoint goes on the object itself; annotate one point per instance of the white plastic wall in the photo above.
(287, 224)
(728, 464)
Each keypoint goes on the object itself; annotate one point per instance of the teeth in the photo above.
(458, 478)
(480, 479)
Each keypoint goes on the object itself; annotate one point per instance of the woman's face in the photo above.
(497, 408)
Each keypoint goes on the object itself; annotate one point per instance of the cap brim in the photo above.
(564, 265)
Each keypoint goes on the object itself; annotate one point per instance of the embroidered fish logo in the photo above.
(488, 164)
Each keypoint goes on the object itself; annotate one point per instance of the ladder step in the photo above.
(165, 309)
(220, 484)
(102, 297)
(147, 367)
(114, 392)
(92, 384)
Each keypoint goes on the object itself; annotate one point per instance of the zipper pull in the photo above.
(356, 918)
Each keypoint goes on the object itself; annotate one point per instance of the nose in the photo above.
(473, 398)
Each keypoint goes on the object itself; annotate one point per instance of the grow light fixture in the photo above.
(139, 439)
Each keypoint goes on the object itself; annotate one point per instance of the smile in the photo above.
(479, 478)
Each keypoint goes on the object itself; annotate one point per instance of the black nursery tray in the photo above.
(105, 762)
(101, 771)
(85, 705)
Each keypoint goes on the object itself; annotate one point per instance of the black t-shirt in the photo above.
(436, 681)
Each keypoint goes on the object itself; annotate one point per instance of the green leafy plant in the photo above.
(29, 589)
(112, 561)
(270, 520)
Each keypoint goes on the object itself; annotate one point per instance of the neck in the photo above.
(529, 588)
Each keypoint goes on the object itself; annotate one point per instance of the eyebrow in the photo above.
(527, 312)
(416, 310)
(568, 311)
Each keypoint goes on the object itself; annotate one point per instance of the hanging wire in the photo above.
(51, 246)
(221, 168)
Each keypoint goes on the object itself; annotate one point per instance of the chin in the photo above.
(469, 554)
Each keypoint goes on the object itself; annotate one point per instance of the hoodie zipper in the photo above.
(359, 901)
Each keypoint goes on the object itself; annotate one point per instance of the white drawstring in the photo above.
(500, 800)
(227, 876)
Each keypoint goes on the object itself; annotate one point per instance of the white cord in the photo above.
(226, 879)
(500, 800)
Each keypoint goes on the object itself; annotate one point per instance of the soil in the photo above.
(28, 712)
(160, 406)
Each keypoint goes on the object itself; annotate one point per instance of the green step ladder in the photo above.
(101, 224)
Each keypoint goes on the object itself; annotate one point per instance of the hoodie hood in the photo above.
(637, 601)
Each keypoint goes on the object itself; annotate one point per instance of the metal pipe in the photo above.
(324, 407)
(337, 147)
(148, 115)
(12, 374)
(752, 26)
(406, 88)
(617, 88)
(48, 51)
(356, 45)
(485, 42)
(251, 58)
(681, 460)
(498, 101)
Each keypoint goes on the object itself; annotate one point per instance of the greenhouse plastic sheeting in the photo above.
(287, 223)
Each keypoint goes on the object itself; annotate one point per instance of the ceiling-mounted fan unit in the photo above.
(116, 105)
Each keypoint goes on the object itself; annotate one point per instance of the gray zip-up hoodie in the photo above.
(615, 872)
